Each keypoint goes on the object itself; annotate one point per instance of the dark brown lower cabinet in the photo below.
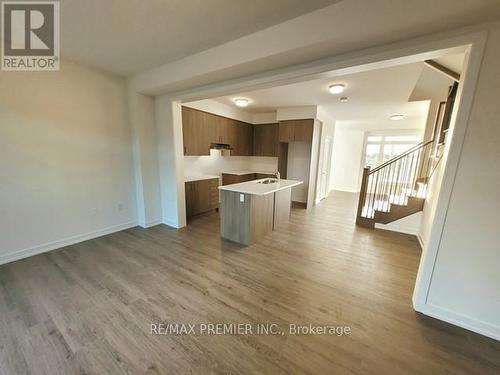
(201, 196)
(259, 176)
(229, 179)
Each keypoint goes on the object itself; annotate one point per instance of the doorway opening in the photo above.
(471, 46)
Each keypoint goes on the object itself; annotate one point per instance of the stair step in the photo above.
(397, 211)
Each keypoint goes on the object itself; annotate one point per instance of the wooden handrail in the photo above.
(407, 152)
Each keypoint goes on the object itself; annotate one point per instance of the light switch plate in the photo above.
(242, 198)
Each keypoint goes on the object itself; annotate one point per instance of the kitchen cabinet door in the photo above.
(303, 131)
(265, 140)
(223, 126)
(190, 198)
(286, 131)
(242, 138)
(201, 196)
(194, 132)
(213, 128)
(248, 139)
(296, 131)
(229, 179)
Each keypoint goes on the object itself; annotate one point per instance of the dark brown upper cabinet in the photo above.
(243, 144)
(200, 129)
(266, 140)
(296, 131)
(195, 132)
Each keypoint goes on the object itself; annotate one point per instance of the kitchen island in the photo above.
(251, 209)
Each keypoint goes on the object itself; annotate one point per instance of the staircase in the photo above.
(397, 188)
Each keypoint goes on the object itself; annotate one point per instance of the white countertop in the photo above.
(200, 177)
(254, 188)
(241, 173)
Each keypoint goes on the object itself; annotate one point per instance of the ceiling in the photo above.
(130, 36)
(373, 97)
(452, 62)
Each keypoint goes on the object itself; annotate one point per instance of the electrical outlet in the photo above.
(94, 211)
(242, 198)
(120, 206)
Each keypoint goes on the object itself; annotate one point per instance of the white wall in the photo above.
(409, 225)
(433, 86)
(299, 161)
(264, 118)
(327, 130)
(146, 171)
(314, 164)
(465, 283)
(65, 159)
(221, 109)
(168, 117)
(296, 113)
(346, 159)
(216, 164)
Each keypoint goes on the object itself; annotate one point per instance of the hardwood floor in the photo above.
(87, 308)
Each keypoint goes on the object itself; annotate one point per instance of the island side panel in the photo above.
(261, 216)
(235, 217)
(282, 207)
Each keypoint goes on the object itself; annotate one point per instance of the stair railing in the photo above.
(394, 181)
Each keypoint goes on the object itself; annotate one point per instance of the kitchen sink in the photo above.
(268, 181)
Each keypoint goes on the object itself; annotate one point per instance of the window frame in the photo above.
(383, 142)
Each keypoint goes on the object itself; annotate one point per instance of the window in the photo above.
(381, 148)
(372, 154)
(402, 138)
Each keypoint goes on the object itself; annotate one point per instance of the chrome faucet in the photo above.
(278, 176)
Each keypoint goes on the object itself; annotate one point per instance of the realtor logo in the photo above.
(30, 35)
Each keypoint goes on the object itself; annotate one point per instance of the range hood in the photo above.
(220, 146)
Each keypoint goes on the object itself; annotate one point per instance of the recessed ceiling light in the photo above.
(337, 88)
(344, 99)
(397, 117)
(241, 102)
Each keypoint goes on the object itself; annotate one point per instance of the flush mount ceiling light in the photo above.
(241, 102)
(397, 117)
(336, 88)
(344, 99)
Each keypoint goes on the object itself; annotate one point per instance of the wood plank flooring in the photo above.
(87, 308)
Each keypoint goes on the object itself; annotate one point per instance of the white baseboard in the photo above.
(398, 229)
(151, 223)
(20, 254)
(420, 240)
(468, 323)
(170, 223)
